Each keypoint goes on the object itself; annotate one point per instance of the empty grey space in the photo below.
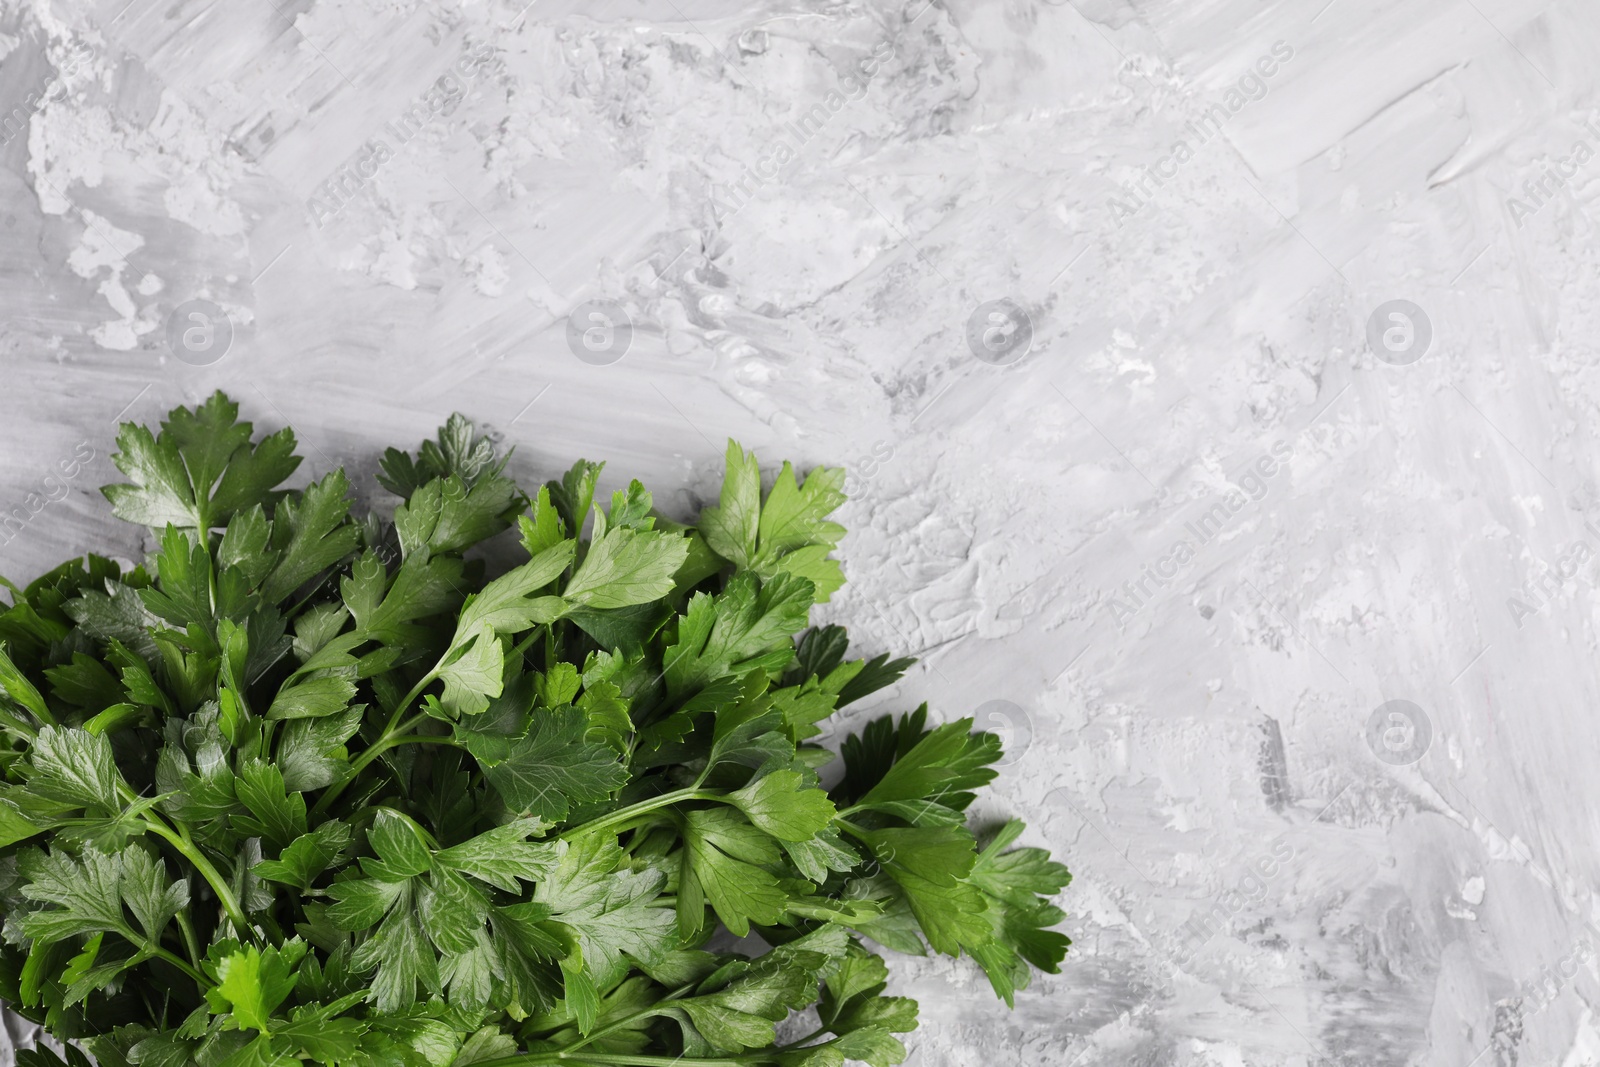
(1217, 383)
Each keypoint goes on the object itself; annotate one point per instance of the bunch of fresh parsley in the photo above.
(310, 788)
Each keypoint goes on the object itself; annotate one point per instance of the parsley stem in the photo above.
(626, 1020)
(392, 736)
(387, 740)
(623, 815)
(181, 841)
(416, 691)
(421, 739)
(178, 962)
(190, 852)
(190, 942)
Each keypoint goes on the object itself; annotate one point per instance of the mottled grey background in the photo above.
(1194, 211)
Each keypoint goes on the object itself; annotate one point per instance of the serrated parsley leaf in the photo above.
(607, 904)
(789, 533)
(475, 673)
(504, 856)
(929, 864)
(781, 804)
(76, 767)
(251, 983)
(445, 515)
(746, 627)
(727, 858)
(950, 759)
(509, 604)
(309, 534)
(200, 470)
(307, 856)
(549, 769)
(1017, 885)
(626, 567)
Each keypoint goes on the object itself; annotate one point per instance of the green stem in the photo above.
(622, 815)
(522, 646)
(635, 822)
(416, 691)
(190, 941)
(213, 877)
(185, 845)
(421, 739)
(654, 1009)
(387, 740)
(178, 962)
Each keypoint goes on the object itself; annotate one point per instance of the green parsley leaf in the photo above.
(354, 789)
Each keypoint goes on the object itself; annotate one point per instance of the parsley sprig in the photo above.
(308, 787)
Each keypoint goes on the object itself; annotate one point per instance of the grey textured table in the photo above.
(1213, 376)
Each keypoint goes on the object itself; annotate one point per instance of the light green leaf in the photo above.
(627, 567)
(312, 697)
(152, 897)
(507, 604)
(251, 983)
(731, 528)
(782, 805)
(476, 674)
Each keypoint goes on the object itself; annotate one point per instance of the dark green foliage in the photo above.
(307, 787)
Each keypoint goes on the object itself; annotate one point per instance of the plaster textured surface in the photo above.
(1184, 528)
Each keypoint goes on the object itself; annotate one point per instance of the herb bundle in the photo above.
(311, 788)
